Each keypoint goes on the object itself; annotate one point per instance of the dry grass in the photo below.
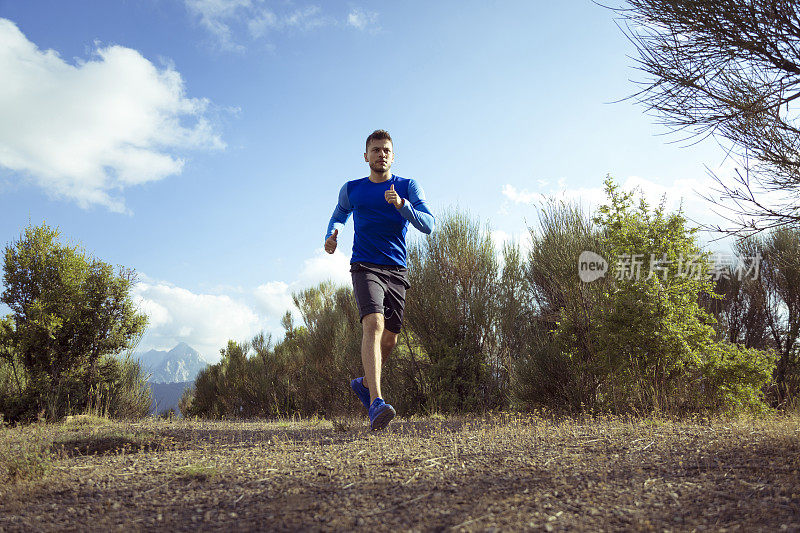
(456, 473)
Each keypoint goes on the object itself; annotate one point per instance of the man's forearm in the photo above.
(420, 217)
(337, 221)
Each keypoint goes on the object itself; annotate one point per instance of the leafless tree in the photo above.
(728, 69)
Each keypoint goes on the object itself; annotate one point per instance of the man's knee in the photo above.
(372, 323)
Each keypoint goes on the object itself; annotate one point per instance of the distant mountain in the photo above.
(152, 359)
(179, 365)
(166, 396)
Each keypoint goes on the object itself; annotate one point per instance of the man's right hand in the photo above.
(330, 242)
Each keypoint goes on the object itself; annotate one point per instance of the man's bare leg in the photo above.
(372, 327)
(388, 340)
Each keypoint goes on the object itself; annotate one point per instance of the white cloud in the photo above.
(208, 321)
(88, 131)
(215, 17)
(307, 18)
(519, 197)
(261, 23)
(360, 19)
(322, 267)
(228, 21)
(683, 191)
(680, 193)
(157, 314)
(204, 321)
(274, 298)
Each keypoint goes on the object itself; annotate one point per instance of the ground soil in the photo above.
(502, 472)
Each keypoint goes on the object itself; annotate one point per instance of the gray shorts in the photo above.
(381, 289)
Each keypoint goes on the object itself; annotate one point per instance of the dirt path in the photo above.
(504, 473)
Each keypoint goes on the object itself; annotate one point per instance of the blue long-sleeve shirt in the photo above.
(380, 228)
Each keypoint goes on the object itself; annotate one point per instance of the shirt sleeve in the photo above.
(340, 213)
(416, 211)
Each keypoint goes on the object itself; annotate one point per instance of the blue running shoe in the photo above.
(380, 414)
(361, 391)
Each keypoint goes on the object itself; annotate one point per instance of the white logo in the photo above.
(591, 266)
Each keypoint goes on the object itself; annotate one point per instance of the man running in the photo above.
(382, 205)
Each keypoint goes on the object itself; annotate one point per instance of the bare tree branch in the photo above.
(727, 69)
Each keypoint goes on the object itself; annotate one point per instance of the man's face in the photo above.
(379, 155)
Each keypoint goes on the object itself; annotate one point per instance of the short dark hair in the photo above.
(379, 135)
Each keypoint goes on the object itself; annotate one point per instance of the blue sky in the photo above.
(203, 142)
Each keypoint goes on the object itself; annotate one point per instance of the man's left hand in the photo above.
(393, 198)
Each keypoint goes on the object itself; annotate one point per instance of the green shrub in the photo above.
(28, 458)
(630, 342)
(733, 378)
(28, 464)
(451, 309)
(185, 401)
(69, 310)
(307, 373)
(558, 363)
(121, 390)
